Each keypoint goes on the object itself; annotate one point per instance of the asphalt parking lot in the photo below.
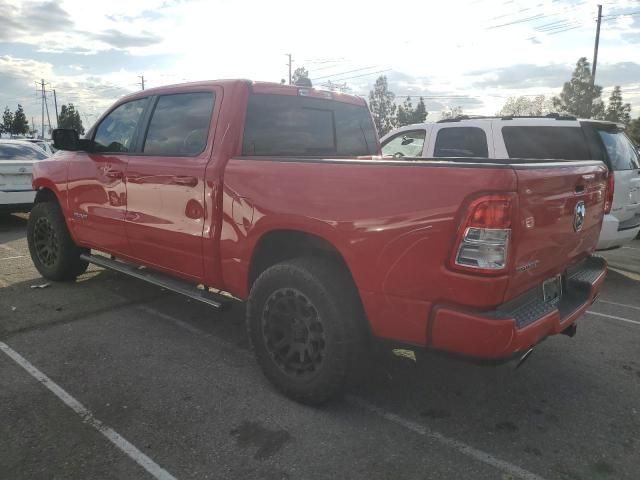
(111, 378)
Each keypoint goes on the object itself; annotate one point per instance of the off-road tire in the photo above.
(52, 250)
(324, 292)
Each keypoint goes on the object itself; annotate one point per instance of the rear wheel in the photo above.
(52, 250)
(305, 324)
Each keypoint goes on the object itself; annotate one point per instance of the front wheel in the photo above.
(52, 250)
(305, 324)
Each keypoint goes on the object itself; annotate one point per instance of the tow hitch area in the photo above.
(524, 357)
(570, 331)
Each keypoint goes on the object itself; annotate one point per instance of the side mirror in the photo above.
(407, 141)
(65, 139)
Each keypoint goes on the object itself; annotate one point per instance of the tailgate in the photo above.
(553, 229)
(15, 175)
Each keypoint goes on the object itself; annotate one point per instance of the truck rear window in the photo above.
(561, 143)
(280, 125)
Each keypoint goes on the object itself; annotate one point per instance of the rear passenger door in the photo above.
(460, 140)
(166, 185)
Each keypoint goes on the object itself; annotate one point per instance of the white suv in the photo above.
(551, 137)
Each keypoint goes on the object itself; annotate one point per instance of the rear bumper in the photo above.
(521, 323)
(613, 234)
(16, 201)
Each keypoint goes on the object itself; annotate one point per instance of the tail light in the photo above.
(482, 244)
(608, 199)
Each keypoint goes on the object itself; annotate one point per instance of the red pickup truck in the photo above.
(235, 190)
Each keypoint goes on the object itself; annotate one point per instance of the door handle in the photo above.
(113, 174)
(186, 181)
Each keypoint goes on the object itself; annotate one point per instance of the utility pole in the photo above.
(33, 125)
(55, 103)
(42, 118)
(289, 64)
(141, 77)
(595, 48)
(46, 105)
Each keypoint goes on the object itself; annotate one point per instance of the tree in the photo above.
(20, 124)
(634, 130)
(579, 97)
(451, 112)
(382, 106)
(70, 118)
(524, 106)
(407, 114)
(420, 113)
(7, 121)
(301, 77)
(616, 110)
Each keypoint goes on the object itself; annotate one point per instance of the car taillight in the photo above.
(608, 198)
(483, 239)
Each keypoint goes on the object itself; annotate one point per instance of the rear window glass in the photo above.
(461, 142)
(281, 125)
(180, 124)
(405, 144)
(20, 152)
(558, 143)
(620, 150)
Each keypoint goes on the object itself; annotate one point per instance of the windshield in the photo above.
(15, 151)
(620, 150)
(282, 125)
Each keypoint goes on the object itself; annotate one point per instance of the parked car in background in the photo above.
(551, 137)
(16, 163)
(46, 145)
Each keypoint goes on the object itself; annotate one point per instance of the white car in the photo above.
(16, 162)
(551, 137)
(43, 144)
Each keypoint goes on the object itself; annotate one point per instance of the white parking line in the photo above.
(618, 304)
(12, 258)
(461, 447)
(87, 417)
(472, 452)
(613, 317)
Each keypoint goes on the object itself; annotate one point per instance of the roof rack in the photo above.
(556, 116)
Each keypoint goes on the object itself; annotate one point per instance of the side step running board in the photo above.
(175, 285)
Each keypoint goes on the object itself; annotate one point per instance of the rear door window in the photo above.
(620, 150)
(180, 124)
(558, 143)
(461, 142)
(405, 144)
(283, 125)
(117, 131)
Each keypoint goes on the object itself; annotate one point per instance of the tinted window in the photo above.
(116, 132)
(9, 151)
(461, 142)
(180, 124)
(405, 144)
(302, 126)
(620, 150)
(559, 143)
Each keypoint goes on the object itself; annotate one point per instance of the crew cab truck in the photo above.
(276, 195)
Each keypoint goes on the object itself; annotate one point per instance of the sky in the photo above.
(473, 54)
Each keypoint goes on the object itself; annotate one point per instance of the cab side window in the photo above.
(180, 124)
(117, 132)
(405, 144)
(461, 142)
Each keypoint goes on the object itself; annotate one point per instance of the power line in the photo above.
(343, 73)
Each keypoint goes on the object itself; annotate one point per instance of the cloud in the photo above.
(523, 76)
(123, 40)
(32, 19)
